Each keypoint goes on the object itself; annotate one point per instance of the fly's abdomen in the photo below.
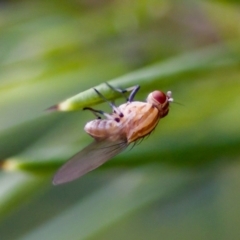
(101, 128)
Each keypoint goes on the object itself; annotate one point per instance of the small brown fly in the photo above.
(126, 124)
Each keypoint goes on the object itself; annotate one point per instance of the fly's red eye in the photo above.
(159, 96)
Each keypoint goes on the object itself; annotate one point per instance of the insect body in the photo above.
(127, 123)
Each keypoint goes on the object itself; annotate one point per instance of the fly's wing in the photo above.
(89, 158)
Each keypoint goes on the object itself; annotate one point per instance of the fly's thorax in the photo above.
(132, 109)
(140, 119)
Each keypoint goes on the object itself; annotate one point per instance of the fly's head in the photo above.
(161, 101)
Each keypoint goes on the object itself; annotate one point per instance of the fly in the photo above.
(126, 124)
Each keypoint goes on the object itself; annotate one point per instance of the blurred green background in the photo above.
(183, 182)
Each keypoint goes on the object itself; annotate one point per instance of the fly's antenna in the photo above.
(178, 103)
(170, 99)
(169, 96)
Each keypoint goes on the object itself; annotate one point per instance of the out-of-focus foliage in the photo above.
(183, 181)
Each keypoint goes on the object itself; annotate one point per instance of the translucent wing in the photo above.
(89, 158)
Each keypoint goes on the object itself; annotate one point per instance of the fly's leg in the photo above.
(94, 111)
(133, 91)
(98, 112)
(119, 90)
(115, 109)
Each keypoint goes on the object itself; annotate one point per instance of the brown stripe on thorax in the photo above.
(143, 123)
